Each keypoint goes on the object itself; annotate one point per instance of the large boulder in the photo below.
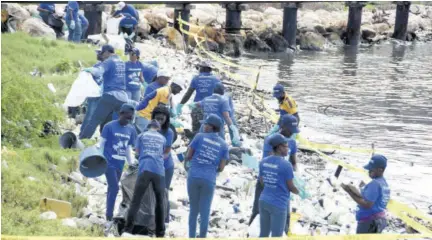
(16, 10)
(157, 21)
(32, 9)
(37, 28)
(312, 41)
(143, 28)
(173, 36)
(368, 32)
(273, 12)
(254, 43)
(275, 41)
(253, 15)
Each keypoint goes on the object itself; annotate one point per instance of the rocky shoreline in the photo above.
(319, 25)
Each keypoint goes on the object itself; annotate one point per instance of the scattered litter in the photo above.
(48, 215)
(51, 88)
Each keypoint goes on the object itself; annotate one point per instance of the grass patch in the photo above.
(26, 100)
(27, 104)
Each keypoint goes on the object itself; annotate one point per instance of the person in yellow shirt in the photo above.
(152, 100)
(286, 105)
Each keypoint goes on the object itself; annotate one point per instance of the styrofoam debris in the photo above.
(48, 215)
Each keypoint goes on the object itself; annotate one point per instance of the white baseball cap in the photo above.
(179, 81)
(120, 5)
(163, 73)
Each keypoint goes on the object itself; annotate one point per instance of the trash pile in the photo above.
(327, 210)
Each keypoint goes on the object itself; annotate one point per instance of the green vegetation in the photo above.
(27, 174)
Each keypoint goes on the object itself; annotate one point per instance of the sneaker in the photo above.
(126, 234)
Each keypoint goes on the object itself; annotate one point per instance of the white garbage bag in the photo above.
(112, 26)
(83, 87)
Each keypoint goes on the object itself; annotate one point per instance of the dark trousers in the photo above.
(128, 31)
(197, 115)
(372, 226)
(143, 181)
(168, 178)
(255, 210)
(106, 106)
(113, 176)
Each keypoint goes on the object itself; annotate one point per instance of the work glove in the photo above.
(72, 25)
(132, 35)
(236, 135)
(192, 106)
(301, 187)
(274, 129)
(89, 70)
(173, 112)
(179, 108)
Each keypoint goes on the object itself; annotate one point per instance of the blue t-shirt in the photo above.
(128, 21)
(275, 172)
(215, 104)
(210, 149)
(152, 87)
(128, 9)
(84, 21)
(204, 85)
(378, 192)
(118, 138)
(149, 72)
(133, 72)
(98, 79)
(150, 146)
(75, 7)
(114, 74)
(267, 149)
(48, 6)
(169, 137)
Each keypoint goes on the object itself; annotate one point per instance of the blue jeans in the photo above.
(92, 103)
(106, 106)
(75, 34)
(84, 31)
(113, 176)
(200, 193)
(134, 94)
(372, 226)
(141, 123)
(272, 219)
(168, 178)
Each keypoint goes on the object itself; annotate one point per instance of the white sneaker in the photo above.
(126, 234)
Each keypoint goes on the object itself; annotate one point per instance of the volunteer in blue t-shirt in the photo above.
(128, 25)
(116, 143)
(373, 199)
(123, 8)
(73, 22)
(84, 25)
(219, 105)
(206, 156)
(204, 85)
(114, 94)
(150, 72)
(288, 127)
(92, 102)
(276, 175)
(134, 75)
(162, 79)
(45, 9)
(150, 147)
(162, 115)
(228, 97)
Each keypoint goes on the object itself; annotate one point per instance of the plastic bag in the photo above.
(250, 162)
(83, 87)
(300, 184)
(113, 26)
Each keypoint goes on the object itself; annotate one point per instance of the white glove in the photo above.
(72, 25)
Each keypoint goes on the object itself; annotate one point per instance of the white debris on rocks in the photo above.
(50, 215)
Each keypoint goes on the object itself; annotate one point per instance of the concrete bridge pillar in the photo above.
(289, 29)
(354, 23)
(181, 10)
(233, 17)
(401, 23)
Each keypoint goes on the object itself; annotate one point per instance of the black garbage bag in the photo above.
(56, 23)
(144, 223)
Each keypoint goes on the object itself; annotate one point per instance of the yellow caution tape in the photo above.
(398, 209)
(321, 237)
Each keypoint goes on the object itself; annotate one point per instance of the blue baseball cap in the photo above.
(377, 161)
(127, 107)
(277, 139)
(106, 48)
(136, 52)
(278, 91)
(213, 120)
(290, 122)
(219, 88)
